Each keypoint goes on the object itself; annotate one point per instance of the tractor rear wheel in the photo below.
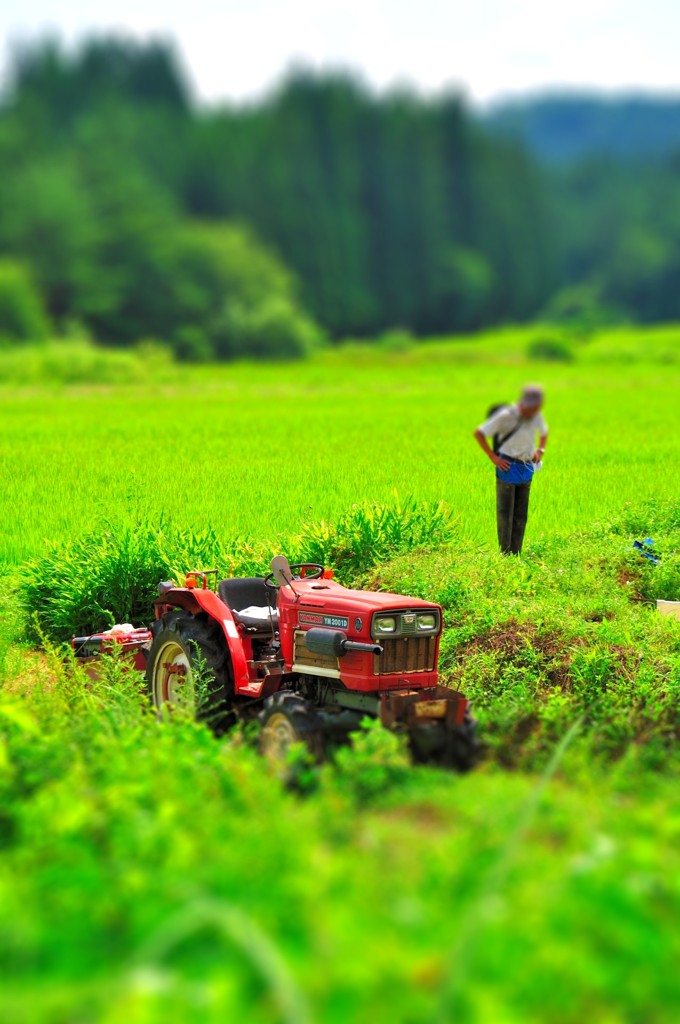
(287, 719)
(188, 667)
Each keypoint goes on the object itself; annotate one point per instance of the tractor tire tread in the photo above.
(302, 715)
(201, 636)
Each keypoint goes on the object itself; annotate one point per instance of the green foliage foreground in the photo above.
(152, 873)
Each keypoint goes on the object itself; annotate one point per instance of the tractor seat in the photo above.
(252, 604)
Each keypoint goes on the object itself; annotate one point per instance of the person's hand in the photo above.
(500, 463)
(538, 455)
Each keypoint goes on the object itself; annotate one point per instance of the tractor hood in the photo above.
(382, 638)
(329, 595)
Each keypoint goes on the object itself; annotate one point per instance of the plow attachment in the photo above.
(438, 723)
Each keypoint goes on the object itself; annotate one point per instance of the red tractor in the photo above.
(307, 656)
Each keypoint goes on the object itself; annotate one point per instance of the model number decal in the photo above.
(335, 621)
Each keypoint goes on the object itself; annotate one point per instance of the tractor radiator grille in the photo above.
(310, 659)
(405, 654)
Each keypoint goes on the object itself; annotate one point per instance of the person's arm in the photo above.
(540, 451)
(481, 440)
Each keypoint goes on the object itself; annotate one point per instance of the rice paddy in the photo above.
(254, 450)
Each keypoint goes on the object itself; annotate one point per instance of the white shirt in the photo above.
(522, 444)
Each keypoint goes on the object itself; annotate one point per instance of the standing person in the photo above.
(516, 457)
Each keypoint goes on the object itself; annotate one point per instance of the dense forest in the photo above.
(130, 212)
(562, 129)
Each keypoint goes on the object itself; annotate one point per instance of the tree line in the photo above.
(130, 212)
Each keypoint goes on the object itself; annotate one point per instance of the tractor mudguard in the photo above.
(207, 601)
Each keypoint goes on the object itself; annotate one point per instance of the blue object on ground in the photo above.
(642, 546)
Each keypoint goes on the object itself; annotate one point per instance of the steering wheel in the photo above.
(306, 571)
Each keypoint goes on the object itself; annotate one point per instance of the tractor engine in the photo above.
(368, 641)
(352, 653)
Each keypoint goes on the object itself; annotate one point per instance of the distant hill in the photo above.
(563, 129)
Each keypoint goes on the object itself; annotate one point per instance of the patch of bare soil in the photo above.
(513, 641)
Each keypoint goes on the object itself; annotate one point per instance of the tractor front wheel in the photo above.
(287, 719)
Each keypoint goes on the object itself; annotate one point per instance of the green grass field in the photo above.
(255, 450)
(151, 873)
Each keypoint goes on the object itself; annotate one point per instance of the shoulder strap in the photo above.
(503, 440)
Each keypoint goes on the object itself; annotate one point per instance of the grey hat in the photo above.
(532, 395)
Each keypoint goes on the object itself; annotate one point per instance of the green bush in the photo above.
(233, 299)
(275, 328)
(550, 350)
(115, 255)
(398, 340)
(22, 314)
(653, 517)
(372, 532)
(111, 575)
(192, 344)
(582, 309)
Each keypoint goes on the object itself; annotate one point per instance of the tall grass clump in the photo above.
(655, 516)
(83, 585)
(110, 575)
(371, 532)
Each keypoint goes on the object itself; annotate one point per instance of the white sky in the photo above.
(238, 48)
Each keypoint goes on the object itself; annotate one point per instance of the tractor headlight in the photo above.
(384, 625)
(405, 624)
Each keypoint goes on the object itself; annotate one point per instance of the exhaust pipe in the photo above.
(336, 644)
(356, 645)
